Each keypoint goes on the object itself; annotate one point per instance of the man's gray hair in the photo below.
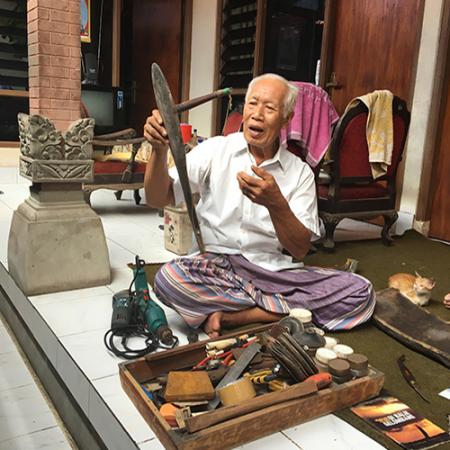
(289, 99)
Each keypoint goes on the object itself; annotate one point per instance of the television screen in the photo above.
(100, 106)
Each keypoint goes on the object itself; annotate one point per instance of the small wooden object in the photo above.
(169, 411)
(188, 386)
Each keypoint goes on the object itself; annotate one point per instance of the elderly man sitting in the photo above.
(258, 214)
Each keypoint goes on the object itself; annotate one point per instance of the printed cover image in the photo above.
(400, 423)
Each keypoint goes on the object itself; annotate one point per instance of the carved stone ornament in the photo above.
(47, 155)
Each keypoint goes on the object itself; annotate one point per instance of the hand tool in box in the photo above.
(235, 371)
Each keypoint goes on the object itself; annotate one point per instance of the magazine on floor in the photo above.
(400, 423)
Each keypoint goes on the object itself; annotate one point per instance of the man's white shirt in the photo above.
(230, 222)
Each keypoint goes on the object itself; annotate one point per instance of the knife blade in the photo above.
(409, 377)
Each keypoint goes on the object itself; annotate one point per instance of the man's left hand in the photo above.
(262, 189)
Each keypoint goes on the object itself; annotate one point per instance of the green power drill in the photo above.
(131, 308)
(154, 317)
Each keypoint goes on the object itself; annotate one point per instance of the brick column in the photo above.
(54, 60)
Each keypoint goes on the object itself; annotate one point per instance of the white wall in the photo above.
(9, 157)
(420, 111)
(203, 62)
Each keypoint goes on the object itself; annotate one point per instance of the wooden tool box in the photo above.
(270, 412)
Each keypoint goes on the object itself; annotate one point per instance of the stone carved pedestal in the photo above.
(56, 241)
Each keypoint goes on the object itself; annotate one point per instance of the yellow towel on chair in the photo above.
(379, 129)
(122, 153)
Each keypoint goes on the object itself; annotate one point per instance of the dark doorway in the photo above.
(152, 31)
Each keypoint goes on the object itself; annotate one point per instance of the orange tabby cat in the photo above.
(414, 287)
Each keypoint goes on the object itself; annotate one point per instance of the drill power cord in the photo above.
(152, 342)
(136, 329)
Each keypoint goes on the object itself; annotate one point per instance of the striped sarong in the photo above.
(197, 286)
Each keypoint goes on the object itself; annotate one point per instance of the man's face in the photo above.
(263, 113)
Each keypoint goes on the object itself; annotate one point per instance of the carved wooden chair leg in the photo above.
(330, 224)
(137, 197)
(389, 220)
(118, 195)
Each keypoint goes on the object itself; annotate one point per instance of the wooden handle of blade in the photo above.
(219, 345)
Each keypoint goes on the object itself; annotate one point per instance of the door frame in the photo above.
(329, 27)
(186, 55)
(428, 183)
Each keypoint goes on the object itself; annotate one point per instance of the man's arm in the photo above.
(292, 234)
(157, 183)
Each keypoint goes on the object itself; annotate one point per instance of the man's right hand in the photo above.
(155, 132)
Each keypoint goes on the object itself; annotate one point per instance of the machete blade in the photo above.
(166, 107)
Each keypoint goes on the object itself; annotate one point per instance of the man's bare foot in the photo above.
(447, 300)
(212, 325)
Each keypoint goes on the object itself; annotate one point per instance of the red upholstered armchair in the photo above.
(111, 173)
(351, 191)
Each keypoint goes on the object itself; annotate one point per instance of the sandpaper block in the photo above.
(188, 386)
(413, 325)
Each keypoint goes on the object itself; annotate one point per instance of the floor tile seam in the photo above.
(93, 380)
(36, 380)
(290, 439)
(120, 245)
(51, 301)
(22, 356)
(31, 433)
(78, 333)
(93, 390)
(120, 237)
(148, 440)
(90, 385)
(75, 361)
(146, 248)
(5, 204)
(137, 224)
(6, 390)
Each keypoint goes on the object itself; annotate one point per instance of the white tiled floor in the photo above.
(79, 320)
(26, 421)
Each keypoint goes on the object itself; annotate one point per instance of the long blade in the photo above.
(167, 109)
